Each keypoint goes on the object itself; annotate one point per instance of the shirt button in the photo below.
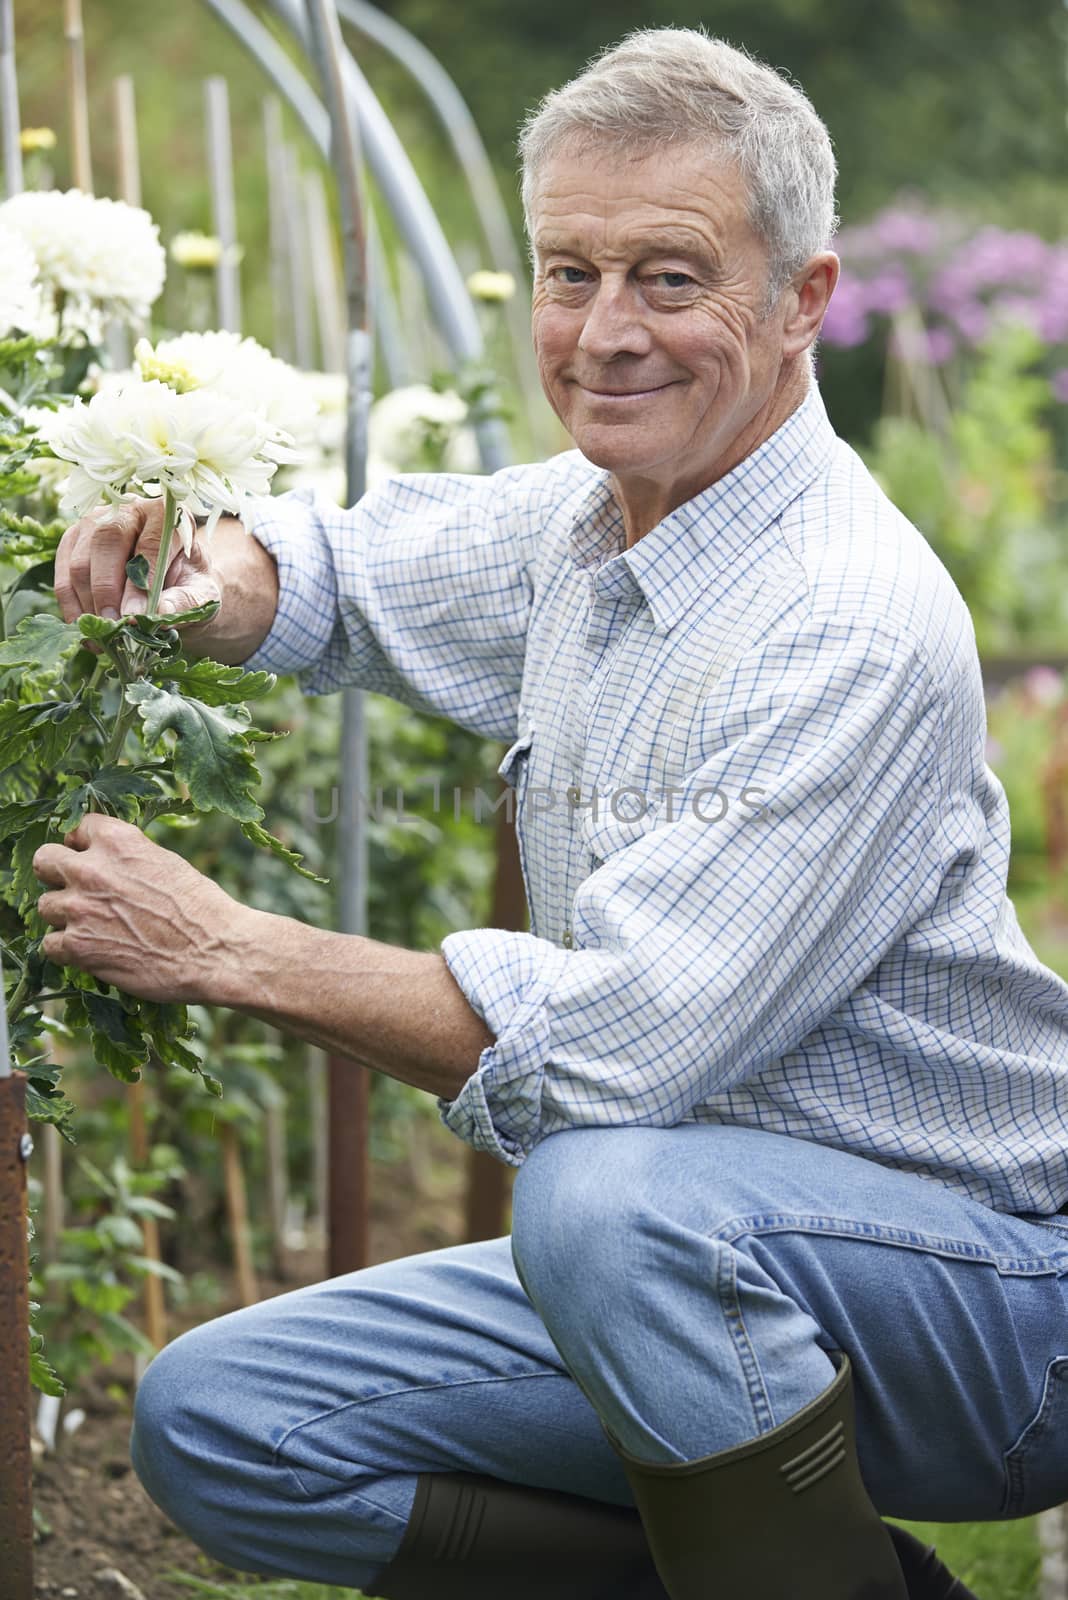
(574, 794)
(568, 939)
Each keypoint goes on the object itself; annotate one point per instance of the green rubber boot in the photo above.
(471, 1537)
(786, 1517)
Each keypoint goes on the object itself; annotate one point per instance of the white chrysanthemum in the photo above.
(145, 439)
(96, 256)
(406, 421)
(242, 369)
(20, 295)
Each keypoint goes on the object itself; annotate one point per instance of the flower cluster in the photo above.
(418, 426)
(204, 450)
(242, 370)
(20, 294)
(956, 281)
(96, 257)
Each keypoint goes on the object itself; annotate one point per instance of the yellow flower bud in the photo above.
(198, 252)
(175, 374)
(31, 139)
(491, 286)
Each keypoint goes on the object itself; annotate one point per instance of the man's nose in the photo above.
(614, 324)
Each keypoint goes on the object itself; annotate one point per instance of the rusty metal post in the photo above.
(488, 1184)
(16, 1484)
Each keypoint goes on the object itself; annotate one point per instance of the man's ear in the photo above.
(812, 289)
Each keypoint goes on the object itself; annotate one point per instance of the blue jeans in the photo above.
(684, 1285)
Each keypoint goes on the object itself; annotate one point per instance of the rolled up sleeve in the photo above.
(708, 949)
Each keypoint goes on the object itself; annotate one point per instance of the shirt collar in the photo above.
(677, 558)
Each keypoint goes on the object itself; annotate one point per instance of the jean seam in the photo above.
(730, 1304)
(1015, 1459)
(1055, 1263)
(390, 1394)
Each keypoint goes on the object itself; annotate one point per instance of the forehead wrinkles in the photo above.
(621, 223)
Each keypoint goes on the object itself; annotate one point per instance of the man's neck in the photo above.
(646, 500)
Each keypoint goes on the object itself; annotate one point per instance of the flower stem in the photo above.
(170, 509)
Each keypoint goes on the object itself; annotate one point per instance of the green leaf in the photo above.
(116, 1044)
(17, 813)
(99, 629)
(42, 575)
(115, 791)
(44, 1377)
(40, 642)
(258, 835)
(25, 884)
(212, 754)
(137, 571)
(210, 682)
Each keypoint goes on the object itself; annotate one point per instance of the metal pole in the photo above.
(220, 159)
(16, 1492)
(9, 100)
(348, 1082)
(455, 116)
(126, 137)
(395, 176)
(81, 159)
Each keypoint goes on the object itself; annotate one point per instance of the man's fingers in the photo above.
(49, 863)
(52, 907)
(188, 582)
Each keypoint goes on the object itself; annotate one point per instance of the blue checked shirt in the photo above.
(764, 856)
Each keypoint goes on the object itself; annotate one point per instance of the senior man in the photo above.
(787, 1087)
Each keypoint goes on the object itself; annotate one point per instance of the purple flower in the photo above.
(1043, 685)
(846, 323)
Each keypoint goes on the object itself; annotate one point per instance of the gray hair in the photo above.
(661, 86)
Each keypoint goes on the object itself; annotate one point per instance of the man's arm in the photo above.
(140, 917)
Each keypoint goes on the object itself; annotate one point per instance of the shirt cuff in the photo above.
(290, 529)
(506, 978)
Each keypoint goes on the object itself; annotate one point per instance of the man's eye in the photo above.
(673, 280)
(579, 275)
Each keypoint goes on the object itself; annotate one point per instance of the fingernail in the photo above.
(109, 614)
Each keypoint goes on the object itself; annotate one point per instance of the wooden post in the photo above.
(52, 1219)
(9, 100)
(16, 1504)
(126, 139)
(237, 1214)
(154, 1304)
(81, 158)
(277, 1181)
(329, 301)
(487, 1178)
(221, 165)
(281, 243)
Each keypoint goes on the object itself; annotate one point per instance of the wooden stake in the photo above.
(81, 159)
(52, 1210)
(9, 100)
(281, 243)
(237, 1214)
(326, 276)
(152, 1296)
(277, 1184)
(221, 166)
(16, 1513)
(126, 139)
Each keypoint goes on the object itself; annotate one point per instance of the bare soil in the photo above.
(95, 1519)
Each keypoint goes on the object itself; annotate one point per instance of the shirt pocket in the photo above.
(1036, 1471)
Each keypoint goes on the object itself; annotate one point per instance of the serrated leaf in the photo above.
(255, 834)
(212, 755)
(40, 642)
(116, 1044)
(17, 813)
(99, 629)
(115, 791)
(25, 885)
(210, 682)
(137, 571)
(45, 1378)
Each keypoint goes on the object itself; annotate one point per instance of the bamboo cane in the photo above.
(281, 245)
(9, 100)
(154, 1304)
(16, 1502)
(326, 279)
(237, 1214)
(81, 158)
(299, 270)
(125, 107)
(52, 1210)
(221, 167)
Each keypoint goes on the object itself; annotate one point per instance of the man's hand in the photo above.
(134, 914)
(92, 556)
(239, 573)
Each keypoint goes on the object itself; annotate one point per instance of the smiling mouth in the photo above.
(624, 394)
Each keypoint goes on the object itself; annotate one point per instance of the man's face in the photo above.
(648, 321)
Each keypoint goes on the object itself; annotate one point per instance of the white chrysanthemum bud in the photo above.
(491, 286)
